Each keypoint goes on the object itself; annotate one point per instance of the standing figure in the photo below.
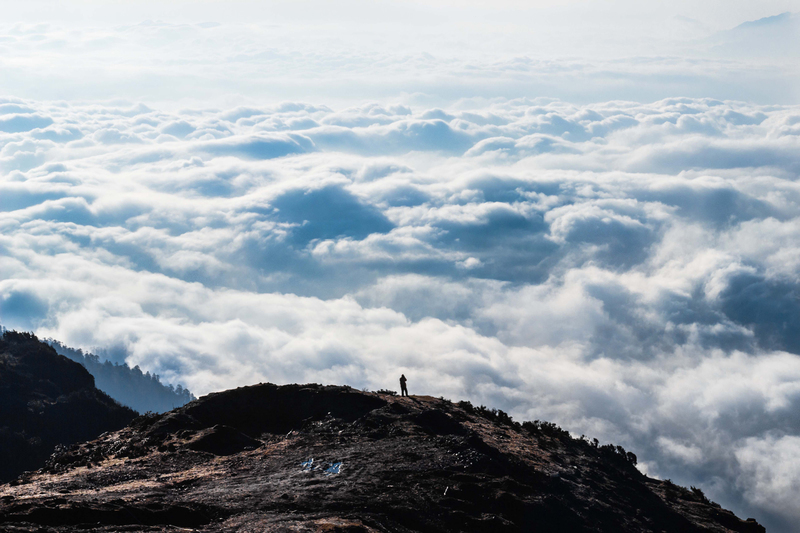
(403, 389)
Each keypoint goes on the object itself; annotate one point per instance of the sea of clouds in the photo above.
(628, 271)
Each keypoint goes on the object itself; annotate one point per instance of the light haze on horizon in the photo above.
(232, 53)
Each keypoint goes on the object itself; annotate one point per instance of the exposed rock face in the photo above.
(314, 458)
(46, 400)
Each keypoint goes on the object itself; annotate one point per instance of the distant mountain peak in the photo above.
(773, 38)
(781, 18)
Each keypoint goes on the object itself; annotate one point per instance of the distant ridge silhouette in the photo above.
(139, 390)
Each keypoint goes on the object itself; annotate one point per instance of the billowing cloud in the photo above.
(629, 271)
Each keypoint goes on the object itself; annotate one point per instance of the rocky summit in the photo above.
(322, 458)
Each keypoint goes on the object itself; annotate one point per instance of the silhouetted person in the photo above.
(403, 388)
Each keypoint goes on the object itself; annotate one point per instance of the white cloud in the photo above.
(770, 472)
(626, 270)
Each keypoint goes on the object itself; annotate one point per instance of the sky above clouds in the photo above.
(579, 212)
(225, 54)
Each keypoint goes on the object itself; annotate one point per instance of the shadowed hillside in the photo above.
(314, 458)
(46, 400)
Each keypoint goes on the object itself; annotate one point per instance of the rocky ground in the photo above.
(313, 458)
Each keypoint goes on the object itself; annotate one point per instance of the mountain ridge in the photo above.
(47, 400)
(141, 391)
(777, 36)
(780, 18)
(331, 458)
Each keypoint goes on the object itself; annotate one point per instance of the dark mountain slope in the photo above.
(46, 400)
(314, 458)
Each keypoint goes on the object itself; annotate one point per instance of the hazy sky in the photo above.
(230, 53)
(583, 212)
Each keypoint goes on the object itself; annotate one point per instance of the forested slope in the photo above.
(139, 390)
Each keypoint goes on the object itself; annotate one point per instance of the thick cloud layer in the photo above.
(628, 271)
